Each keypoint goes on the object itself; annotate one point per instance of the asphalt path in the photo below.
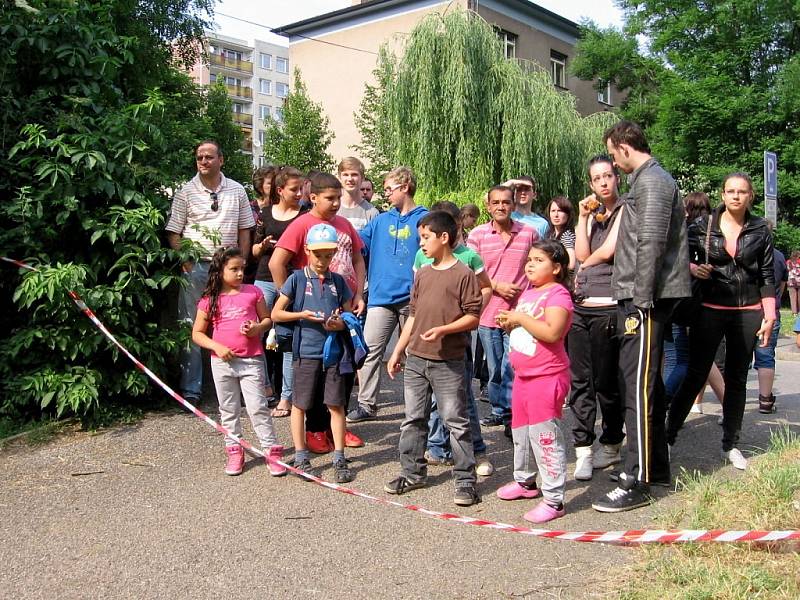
(145, 511)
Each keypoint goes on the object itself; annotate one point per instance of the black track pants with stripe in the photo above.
(641, 333)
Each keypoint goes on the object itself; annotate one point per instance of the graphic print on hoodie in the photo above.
(391, 241)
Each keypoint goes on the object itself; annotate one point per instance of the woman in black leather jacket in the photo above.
(731, 254)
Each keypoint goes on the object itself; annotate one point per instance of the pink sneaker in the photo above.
(235, 462)
(515, 491)
(275, 453)
(543, 513)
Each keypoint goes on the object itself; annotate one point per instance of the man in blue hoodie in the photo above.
(391, 241)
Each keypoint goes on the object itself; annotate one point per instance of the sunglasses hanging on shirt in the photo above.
(214, 201)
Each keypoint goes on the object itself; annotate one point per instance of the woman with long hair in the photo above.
(731, 254)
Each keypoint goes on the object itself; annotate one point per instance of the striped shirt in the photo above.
(192, 217)
(504, 262)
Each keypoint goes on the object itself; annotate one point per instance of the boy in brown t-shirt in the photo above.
(445, 304)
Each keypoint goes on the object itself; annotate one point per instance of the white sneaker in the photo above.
(606, 455)
(697, 409)
(483, 466)
(736, 459)
(720, 421)
(583, 464)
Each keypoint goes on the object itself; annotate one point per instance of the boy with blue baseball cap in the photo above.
(313, 298)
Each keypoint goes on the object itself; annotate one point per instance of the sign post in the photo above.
(771, 187)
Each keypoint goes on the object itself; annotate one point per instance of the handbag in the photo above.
(687, 309)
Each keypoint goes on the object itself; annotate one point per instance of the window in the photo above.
(282, 64)
(509, 43)
(281, 89)
(233, 81)
(237, 107)
(265, 60)
(263, 112)
(558, 69)
(262, 136)
(212, 78)
(604, 92)
(261, 160)
(265, 87)
(232, 54)
(279, 115)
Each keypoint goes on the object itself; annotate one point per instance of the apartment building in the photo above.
(257, 79)
(336, 51)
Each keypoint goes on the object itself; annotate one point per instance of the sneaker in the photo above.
(359, 414)
(492, 421)
(583, 463)
(306, 468)
(483, 394)
(466, 495)
(544, 512)
(766, 404)
(436, 461)
(615, 477)
(401, 485)
(619, 500)
(235, 463)
(720, 421)
(735, 457)
(275, 453)
(607, 455)
(342, 473)
(483, 466)
(317, 442)
(516, 490)
(696, 409)
(351, 440)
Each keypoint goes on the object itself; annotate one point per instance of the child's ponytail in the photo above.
(214, 283)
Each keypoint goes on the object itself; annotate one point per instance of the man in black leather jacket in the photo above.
(651, 272)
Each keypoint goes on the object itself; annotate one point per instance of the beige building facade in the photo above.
(337, 52)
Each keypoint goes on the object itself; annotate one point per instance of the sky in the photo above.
(274, 13)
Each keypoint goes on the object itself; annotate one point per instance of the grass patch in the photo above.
(766, 497)
(787, 323)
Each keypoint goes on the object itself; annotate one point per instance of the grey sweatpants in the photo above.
(243, 377)
(541, 445)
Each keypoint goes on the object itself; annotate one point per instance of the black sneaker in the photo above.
(466, 495)
(507, 431)
(401, 485)
(492, 421)
(614, 475)
(342, 472)
(306, 468)
(359, 414)
(619, 500)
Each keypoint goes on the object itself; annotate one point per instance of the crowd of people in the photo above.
(303, 291)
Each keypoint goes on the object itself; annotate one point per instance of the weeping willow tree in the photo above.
(464, 117)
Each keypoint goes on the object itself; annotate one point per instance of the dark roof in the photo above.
(376, 6)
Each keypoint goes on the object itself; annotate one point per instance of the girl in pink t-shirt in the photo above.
(537, 329)
(239, 316)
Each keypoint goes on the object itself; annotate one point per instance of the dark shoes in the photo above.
(492, 421)
(766, 404)
(306, 468)
(621, 499)
(341, 472)
(359, 414)
(401, 485)
(466, 495)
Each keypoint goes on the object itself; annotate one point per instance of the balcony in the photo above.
(245, 66)
(240, 91)
(243, 119)
(247, 146)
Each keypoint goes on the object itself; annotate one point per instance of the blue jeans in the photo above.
(192, 358)
(270, 295)
(495, 347)
(676, 360)
(439, 435)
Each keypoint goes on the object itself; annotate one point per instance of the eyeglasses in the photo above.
(387, 191)
(214, 201)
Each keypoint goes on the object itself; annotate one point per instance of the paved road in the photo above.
(145, 511)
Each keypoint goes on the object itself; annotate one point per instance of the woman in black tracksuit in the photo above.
(731, 253)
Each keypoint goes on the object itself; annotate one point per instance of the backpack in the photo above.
(286, 334)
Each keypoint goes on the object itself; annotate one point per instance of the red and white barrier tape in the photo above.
(636, 536)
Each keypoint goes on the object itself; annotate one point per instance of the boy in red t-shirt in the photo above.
(289, 254)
